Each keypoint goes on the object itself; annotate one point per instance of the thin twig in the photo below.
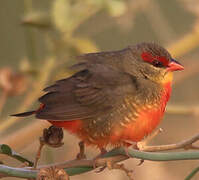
(38, 155)
(186, 144)
(148, 138)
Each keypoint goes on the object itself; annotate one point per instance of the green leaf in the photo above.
(5, 149)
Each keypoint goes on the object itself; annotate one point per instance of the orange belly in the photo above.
(138, 129)
(134, 131)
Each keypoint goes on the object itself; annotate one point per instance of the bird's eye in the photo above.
(157, 63)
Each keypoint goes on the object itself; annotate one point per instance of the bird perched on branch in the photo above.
(115, 97)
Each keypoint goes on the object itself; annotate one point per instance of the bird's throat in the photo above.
(168, 78)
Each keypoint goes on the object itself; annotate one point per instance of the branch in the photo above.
(17, 172)
(74, 167)
(186, 144)
(5, 149)
(81, 166)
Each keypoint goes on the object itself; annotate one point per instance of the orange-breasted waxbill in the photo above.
(114, 97)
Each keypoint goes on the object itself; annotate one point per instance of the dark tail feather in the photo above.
(24, 114)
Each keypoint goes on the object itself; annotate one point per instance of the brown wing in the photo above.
(94, 90)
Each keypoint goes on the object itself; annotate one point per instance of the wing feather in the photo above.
(84, 95)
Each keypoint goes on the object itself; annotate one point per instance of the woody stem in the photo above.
(38, 155)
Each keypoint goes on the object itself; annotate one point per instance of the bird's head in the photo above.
(155, 62)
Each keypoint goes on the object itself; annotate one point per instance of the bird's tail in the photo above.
(29, 113)
(24, 114)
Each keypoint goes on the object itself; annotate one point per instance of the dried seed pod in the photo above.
(52, 173)
(53, 136)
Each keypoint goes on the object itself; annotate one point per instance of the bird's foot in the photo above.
(142, 144)
(81, 154)
(134, 146)
(127, 144)
(110, 165)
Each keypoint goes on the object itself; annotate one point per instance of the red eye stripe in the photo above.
(149, 58)
(163, 60)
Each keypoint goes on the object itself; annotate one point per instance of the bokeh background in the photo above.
(39, 41)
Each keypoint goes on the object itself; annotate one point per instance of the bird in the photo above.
(114, 97)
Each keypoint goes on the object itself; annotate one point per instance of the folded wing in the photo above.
(95, 89)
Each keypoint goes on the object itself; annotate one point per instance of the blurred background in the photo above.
(39, 41)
